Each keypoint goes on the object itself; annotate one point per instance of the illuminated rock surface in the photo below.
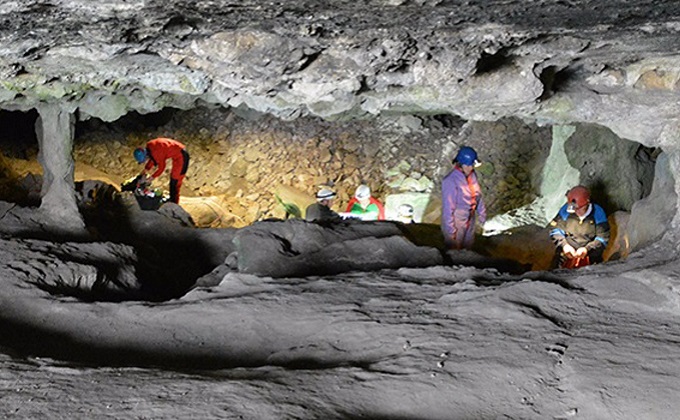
(130, 314)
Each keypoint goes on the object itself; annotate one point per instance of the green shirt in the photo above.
(371, 211)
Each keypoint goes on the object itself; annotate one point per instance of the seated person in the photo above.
(321, 210)
(364, 207)
(580, 231)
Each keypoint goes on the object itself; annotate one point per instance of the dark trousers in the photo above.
(176, 183)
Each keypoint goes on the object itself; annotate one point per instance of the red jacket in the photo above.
(162, 149)
(378, 204)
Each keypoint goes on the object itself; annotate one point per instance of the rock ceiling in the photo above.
(611, 63)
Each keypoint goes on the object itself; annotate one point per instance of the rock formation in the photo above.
(275, 98)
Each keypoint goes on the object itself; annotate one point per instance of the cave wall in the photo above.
(651, 218)
(619, 172)
(248, 158)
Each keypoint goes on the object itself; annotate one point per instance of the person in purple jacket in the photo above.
(462, 201)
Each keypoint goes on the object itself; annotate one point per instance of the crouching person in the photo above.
(580, 231)
(321, 210)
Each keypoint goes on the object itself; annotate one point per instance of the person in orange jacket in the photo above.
(156, 152)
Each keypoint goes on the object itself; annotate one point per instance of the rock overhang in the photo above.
(478, 60)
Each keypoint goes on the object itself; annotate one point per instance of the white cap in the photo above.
(325, 194)
(405, 210)
(362, 192)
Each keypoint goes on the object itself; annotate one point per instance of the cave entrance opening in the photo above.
(19, 171)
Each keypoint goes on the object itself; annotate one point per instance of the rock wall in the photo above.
(247, 159)
(619, 172)
(490, 62)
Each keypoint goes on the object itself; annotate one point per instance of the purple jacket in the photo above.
(459, 195)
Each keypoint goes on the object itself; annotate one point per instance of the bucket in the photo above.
(149, 202)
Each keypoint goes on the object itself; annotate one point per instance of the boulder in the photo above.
(296, 248)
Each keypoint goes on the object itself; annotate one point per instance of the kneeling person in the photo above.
(580, 231)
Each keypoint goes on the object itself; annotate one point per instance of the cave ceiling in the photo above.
(610, 63)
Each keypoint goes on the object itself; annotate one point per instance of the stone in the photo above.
(298, 248)
(651, 216)
(58, 204)
(369, 99)
(239, 168)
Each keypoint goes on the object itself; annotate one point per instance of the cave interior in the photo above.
(242, 161)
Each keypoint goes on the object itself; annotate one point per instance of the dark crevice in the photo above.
(554, 80)
(547, 78)
(17, 134)
(400, 66)
(167, 267)
(308, 59)
(488, 63)
(443, 121)
(178, 22)
(129, 123)
(363, 85)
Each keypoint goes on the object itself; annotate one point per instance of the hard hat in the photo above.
(363, 192)
(578, 196)
(140, 155)
(325, 194)
(467, 156)
(405, 210)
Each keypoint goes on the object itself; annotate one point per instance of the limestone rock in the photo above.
(298, 248)
(651, 217)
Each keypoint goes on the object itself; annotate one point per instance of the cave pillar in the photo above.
(55, 129)
(672, 231)
(666, 186)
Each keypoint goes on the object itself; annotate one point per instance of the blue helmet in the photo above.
(467, 156)
(140, 155)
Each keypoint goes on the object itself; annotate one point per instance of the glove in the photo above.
(581, 252)
(144, 181)
(569, 251)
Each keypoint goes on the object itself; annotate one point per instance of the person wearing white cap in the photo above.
(321, 210)
(405, 213)
(364, 206)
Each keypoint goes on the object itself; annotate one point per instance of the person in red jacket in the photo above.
(364, 206)
(156, 152)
